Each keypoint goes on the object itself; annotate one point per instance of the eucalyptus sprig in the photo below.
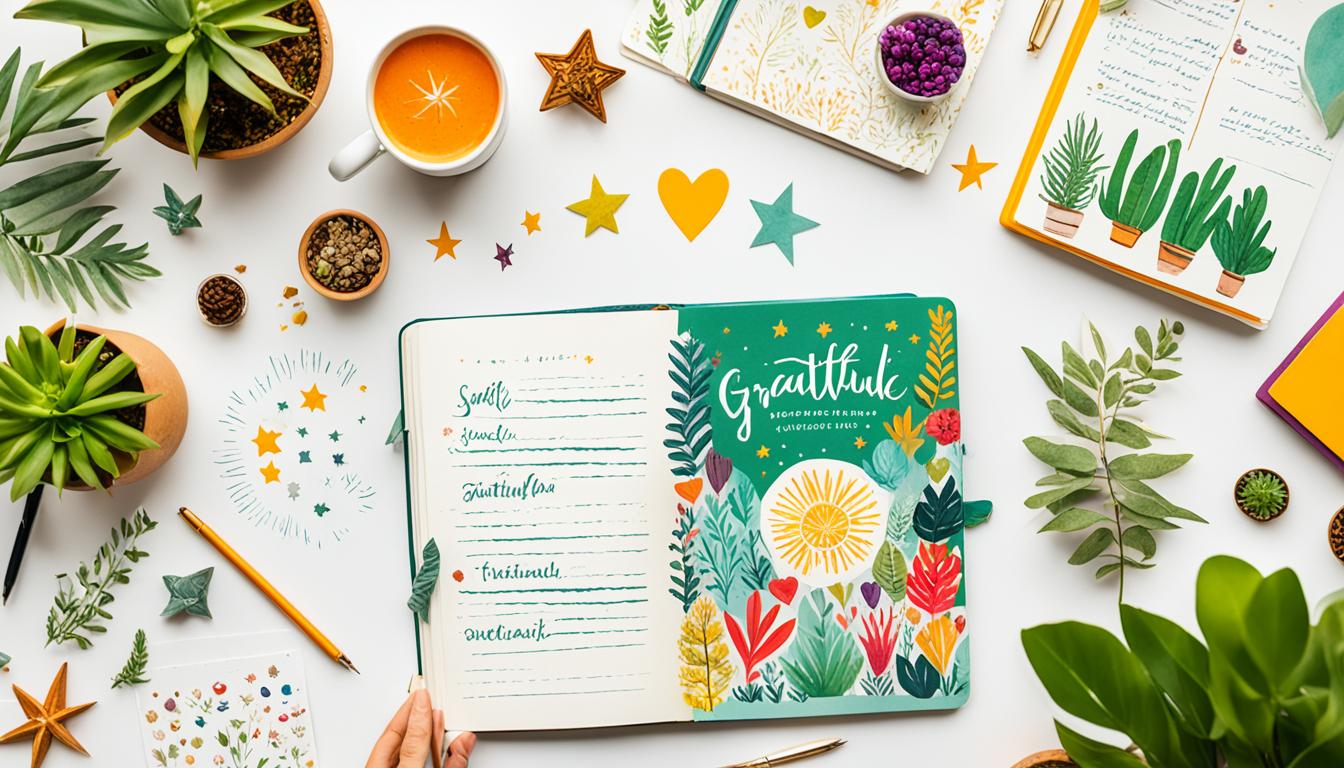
(133, 673)
(81, 605)
(1094, 400)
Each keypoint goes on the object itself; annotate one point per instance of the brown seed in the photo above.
(1336, 534)
(221, 300)
(344, 254)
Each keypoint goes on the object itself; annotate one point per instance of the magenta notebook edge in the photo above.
(1265, 397)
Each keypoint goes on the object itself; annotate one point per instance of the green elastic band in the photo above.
(712, 41)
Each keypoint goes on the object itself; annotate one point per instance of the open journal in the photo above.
(810, 67)
(1176, 147)
(709, 512)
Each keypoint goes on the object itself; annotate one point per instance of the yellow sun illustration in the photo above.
(825, 520)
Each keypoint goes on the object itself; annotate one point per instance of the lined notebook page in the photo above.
(537, 466)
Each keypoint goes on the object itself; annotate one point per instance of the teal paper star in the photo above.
(304, 458)
(321, 509)
(187, 594)
(338, 459)
(335, 437)
(282, 405)
(303, 431)
(779, 223)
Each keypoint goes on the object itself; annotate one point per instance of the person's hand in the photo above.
(415, 732)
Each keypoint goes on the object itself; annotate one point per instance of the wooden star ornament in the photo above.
(46, 720)
(578, 77)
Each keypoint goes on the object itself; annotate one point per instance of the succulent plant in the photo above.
(58, 412)
(1239, 246)
(170, 49)
(1196, 211)
(1262, 494)
(178, 214)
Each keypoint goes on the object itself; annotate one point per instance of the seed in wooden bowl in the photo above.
(221, 300)
(344, 254)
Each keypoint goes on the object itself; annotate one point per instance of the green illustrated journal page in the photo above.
(818, 543)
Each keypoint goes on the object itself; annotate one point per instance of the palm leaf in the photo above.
(422, 588)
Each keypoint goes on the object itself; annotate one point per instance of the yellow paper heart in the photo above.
(692, 204)
(812, 17)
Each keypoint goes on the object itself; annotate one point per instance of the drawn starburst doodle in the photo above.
(438, 97)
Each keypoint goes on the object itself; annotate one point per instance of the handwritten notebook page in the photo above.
(1222, 77)
(537, 466)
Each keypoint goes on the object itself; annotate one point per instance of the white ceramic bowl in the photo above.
(898, 20)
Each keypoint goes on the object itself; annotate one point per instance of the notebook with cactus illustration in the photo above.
(810, 67)
(709, 512)
(1177, 147)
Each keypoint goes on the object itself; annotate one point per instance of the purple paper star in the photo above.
(504, 256)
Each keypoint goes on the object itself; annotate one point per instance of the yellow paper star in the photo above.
(265, 441)
(444, 243)
(972, 170)
(859, 442)
(46, 719)
(780, 329)
(314, 400)
(824, 329)
(532, 221)
(599, 209)
(762, 452)
(891, 325)
(727, 330)
(271, 473)
(588, 359)
(914, 338)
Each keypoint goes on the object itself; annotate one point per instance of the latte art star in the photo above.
(438, 97)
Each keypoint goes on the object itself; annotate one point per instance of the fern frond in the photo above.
(659, 31)
(935, 383)
(690, 426)
(133, 673)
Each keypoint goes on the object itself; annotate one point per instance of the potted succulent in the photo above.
(343, 255)
(252, 72)
(1261, 494)
(1050, 758)
(1135, 205)
(1193, 217)
(1239, 246)
(86, 408)
(1070, 177)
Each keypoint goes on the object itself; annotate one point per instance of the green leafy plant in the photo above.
(1239, 246)
(1072, 166)
(58, 412)
(1094, 400)
(43, 219)
(1262, 494)
(823, 660)
(1139, 201)
(133, 673)
(659, 31)
(169, 50)
(80, 607)
(422, 587)
(1263, 689)
(690, 427)
(1193, 215)
(178, 214)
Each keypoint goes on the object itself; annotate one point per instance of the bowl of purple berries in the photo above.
(921, 55)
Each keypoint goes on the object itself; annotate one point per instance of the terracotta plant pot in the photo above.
(1062, 221)
(165, 416)
(284, 134)
(1051, 758)
(1172, 258)
(1229, 283)
(1335, 534)
(1236, 490)
(1124, 234)
(343, 295)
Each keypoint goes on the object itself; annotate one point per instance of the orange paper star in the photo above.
(532, 221)
(46, 720)
(271, 473)
(266, 441)
(972, 170)
(314, 400)
(578, 77)
(444, 243)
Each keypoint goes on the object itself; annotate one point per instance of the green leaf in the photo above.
(889, 571)
(243, 9)
(1074, 519)
(133, 672)
(1178, 663)
(1079, 400)
(235, 76)
(1065, 418)
(1140, 539)
(1127, 433)
(1111, 392)
(426, 579)
(253, 61)
(1092, 546)
(1278, 612)
(1092, 753)
(1045, 498)
(132, 110)
(1069, 458)
(1145, 466)
(1047, 374)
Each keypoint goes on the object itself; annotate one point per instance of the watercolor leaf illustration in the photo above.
(706, 670)
(881, 629)
(888, 466)
(1139, 202)
(659, 30)
(1193, 216)
(133, 673)
(935, 383)
(691, 372)
(938, 515)
(685, 581)
(80, 606)
(719, 538)
(422, 587)
(919, 679)
(934, 579)
(890, 571)
(823, 660)
(1072, 166)
(1240, 246)
(758, 643)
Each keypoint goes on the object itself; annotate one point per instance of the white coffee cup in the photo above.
(357, 155)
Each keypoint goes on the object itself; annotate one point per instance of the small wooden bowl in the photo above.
(892, 88)
(1335, 535)
(1051, 758)
(201, 286)
(343, 295)
(1287, 494)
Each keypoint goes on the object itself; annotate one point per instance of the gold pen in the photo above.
(800, 752)
(1045, 21)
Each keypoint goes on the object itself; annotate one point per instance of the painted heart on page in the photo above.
(937, 469)
(784, 589)
(692, 204)
(812, 17)
(871, 593)
(690, 489)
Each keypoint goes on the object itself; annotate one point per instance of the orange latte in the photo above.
(436, 97)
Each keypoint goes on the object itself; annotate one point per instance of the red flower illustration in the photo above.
(755, 647)
(879, 638)
(944, 426)
(934, 578)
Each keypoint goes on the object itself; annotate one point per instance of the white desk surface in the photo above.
(880, 232)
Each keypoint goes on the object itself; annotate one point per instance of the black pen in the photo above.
(30, 506)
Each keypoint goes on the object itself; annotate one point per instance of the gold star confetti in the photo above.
(265, 441)
(588, 359)
(314, 400)
(780, 329)
(444, 243)
(891, 325)
(762, 452)
(599, 209)
(824, 329)
(859, 442)
(972, 170)
(532, 221)
(271, 473)
(914, 338)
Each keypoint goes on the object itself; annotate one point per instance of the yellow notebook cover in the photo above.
(1175, 147)
(1311, 388)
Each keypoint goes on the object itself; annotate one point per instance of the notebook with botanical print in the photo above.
(810, 67)
(710, 512)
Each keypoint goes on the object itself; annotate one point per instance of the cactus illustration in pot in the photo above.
(1070, 177)
(1240, 246)
(1135, 204)
(1194, 214)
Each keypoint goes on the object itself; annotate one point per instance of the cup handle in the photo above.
(355, 156)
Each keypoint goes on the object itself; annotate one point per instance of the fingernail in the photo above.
(417, 684)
